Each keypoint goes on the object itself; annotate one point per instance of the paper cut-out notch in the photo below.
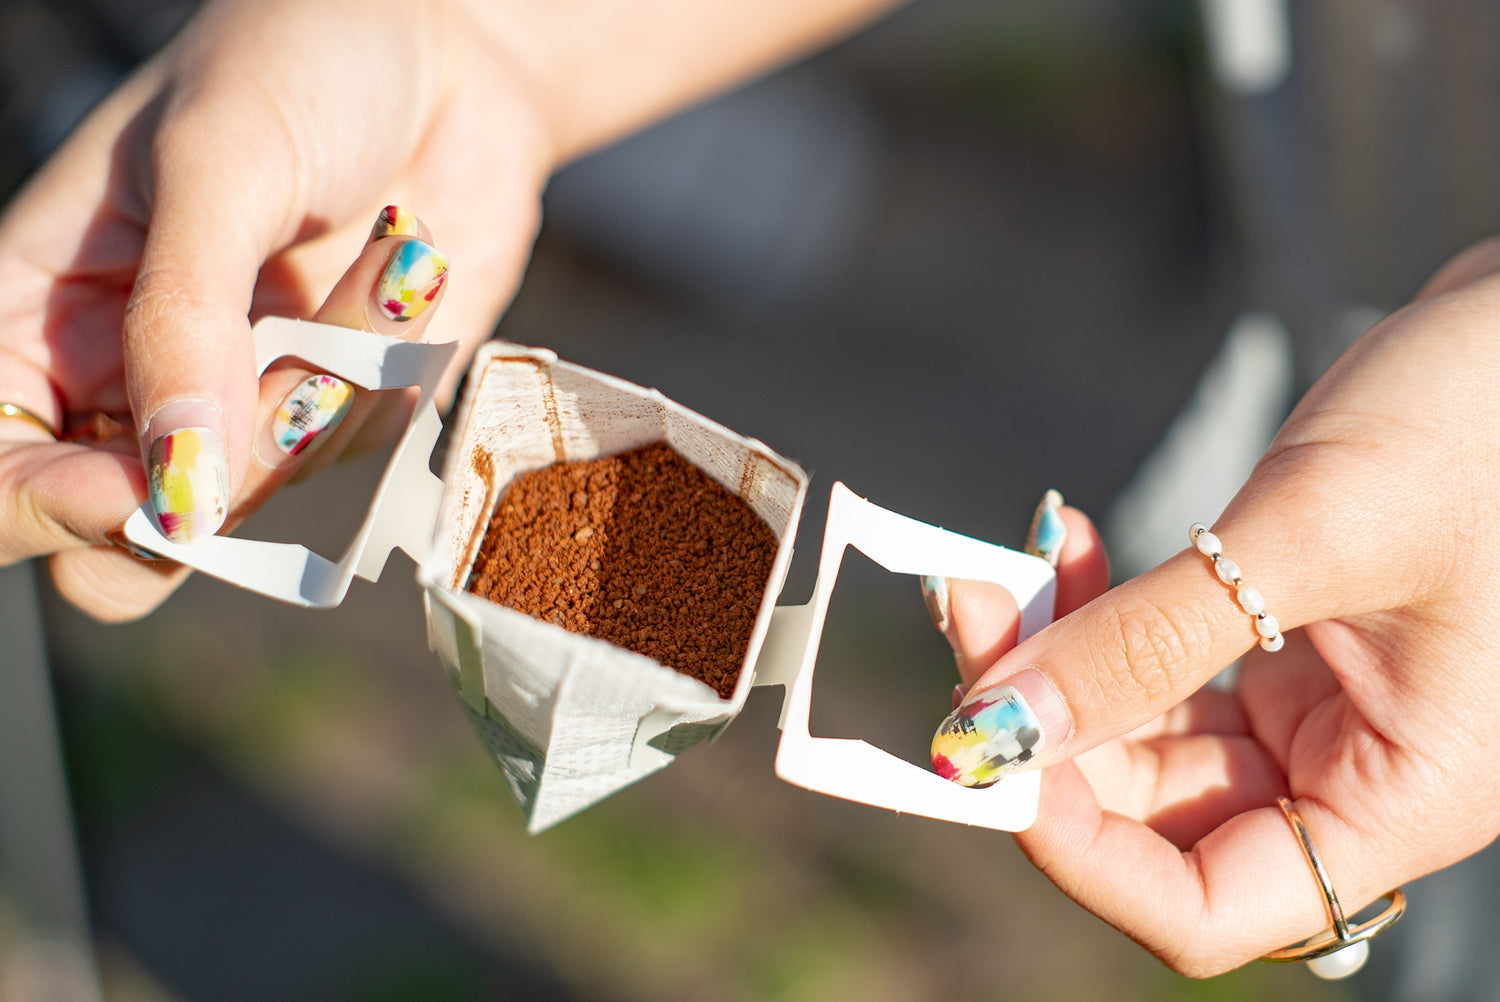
(405, 504)
(854, 769)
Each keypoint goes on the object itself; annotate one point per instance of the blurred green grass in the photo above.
(710, 881)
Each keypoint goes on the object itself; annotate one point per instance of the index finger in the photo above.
(1127, 656)
(58, 496)
(980, 619)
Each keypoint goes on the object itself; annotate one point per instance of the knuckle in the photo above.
(28, 524)
(1146, 647)
(159, 294)
(188, 112)
(168, 138)
(1193, 958)
(32, 513)
(1197, 949)
(230, 102)
(27, 509)
(159, 324)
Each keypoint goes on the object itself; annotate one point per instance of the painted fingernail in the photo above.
(935, 594)
(1048, 533)
(999, 730)
(189, 483)
(411, 280)
(394, 221)
(316, 406)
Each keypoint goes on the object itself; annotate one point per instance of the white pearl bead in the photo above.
(1208, 544)
(1273, 644)
(1341, 963)
(1266, 625)
(1250, 600)
(1227, 570)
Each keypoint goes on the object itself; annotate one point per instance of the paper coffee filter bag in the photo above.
(571, 719)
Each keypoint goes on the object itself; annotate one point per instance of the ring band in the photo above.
(1340, 934)
(1249, 599)
(30, 417)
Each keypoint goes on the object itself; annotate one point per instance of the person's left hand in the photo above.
(303, 421)
(235, 175)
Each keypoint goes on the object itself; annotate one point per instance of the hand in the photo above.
(1369, 527)
(235, 175)
(303, 420)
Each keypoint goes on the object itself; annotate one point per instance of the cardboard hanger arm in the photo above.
(404, 508)
(856, 770)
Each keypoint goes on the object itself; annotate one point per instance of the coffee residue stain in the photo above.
(484, 468)
(747, 475)
(554, 423)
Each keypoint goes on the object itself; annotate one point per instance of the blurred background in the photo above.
(983, 248)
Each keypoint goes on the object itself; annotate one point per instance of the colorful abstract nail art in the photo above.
(316, 406)
(986, 737)
(189, 484)
(1048, 533)
(935, 594)
(411, 281)
(394, 221)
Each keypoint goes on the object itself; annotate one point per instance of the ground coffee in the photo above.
(641, 549)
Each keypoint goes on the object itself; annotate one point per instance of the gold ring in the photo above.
(30, 417)
(1340, 934)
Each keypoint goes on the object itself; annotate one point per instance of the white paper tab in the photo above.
(857, 770)
(404, 508)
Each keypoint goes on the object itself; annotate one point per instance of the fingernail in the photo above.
(1000, 729)
(189, 483)
(394, 221)
(411, 281)
(959, 691)
(935, 594)
(316, 406)
(1047, 533)
(117, 539)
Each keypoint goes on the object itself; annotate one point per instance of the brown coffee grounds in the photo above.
(641, 549)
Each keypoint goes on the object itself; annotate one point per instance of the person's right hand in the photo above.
(236, 175)
(1368, 529)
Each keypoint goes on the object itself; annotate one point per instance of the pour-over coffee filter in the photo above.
(570, 718)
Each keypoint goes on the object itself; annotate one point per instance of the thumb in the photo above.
(189, 360)
(1124, 658)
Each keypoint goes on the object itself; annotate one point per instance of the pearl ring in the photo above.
(1249, 599)
(1343, 949)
